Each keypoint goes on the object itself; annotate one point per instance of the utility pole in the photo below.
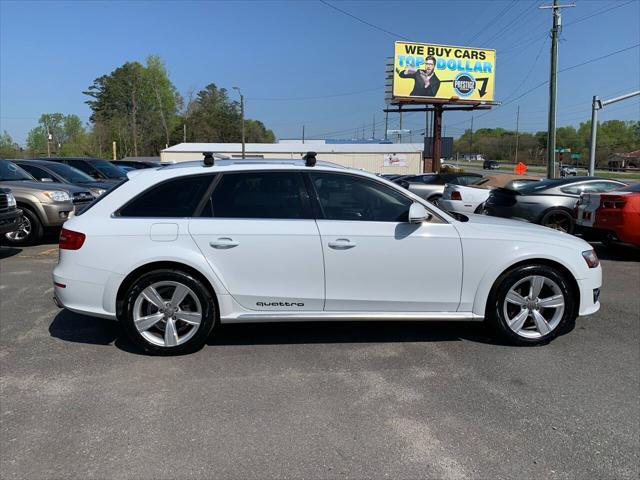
(471, 139)
(595, 106)
(551, 128)
(517, 132)
(113, 147)
(184, 133)
(48, 142)
(242, 116)
(386, 125)
(373, 134)
(302, 133)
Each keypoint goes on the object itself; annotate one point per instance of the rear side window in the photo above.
(175, 198)
(595, 187)
(466, 180)
(37, 172)
(258, 195)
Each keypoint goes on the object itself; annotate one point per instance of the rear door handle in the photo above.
(342, 244)
(224, 243)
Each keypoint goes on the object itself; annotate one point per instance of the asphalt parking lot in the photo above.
(351, 400)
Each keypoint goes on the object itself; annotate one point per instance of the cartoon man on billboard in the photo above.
(426, 82)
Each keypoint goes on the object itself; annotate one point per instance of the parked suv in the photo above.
(43, 205)
(46, 171)
(177, 250)
(10, 215)
(96, 168)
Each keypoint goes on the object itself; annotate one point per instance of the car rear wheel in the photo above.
(29, 230)
(169, 312)
(434, 199)
(531, 305)
(560, 220)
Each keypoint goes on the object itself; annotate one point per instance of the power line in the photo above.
(363, 21)
(599, 12)
(498, 16)
(284, 99)
(547, 81)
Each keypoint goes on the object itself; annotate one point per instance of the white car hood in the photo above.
(484, 226)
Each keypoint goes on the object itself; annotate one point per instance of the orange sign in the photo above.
(520, 168)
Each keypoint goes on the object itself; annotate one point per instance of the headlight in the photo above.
(57, 195)
(11, 200)
(96, 192)
(591, 258)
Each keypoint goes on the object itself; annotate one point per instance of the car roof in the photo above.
(258, 163)
(36, 161)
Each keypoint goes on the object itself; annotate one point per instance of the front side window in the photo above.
(176, 198)
(258, 195)
(348, 197)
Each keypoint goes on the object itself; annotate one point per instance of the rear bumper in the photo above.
(457, 206)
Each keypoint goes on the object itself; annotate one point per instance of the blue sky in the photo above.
(281, 53)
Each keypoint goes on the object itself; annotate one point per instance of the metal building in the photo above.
(400, 158)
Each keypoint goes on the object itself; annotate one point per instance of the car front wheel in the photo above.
(531, 305)
(168, 312)
(29, 230)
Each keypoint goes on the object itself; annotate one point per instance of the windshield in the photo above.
(9, 171)
(106, 168)
(70, 174)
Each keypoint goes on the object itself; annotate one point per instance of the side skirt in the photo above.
(350, 316)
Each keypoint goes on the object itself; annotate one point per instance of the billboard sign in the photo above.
(423, 72)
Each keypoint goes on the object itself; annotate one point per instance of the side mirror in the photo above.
(46, 179)
(418, 214)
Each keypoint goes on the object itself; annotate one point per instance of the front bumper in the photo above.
(590, 292)
(56, 213)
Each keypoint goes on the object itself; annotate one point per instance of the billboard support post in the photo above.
(437, 138)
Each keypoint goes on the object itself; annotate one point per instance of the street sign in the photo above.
(563, 150)
(520, 168)
(398, 132)
(576, 156)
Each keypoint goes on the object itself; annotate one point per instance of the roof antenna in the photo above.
(310, 159)
(208, 159)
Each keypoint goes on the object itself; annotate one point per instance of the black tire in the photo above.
(35, 230)
(559, 219)
(204, 296)
(495, 305)
(434, 199)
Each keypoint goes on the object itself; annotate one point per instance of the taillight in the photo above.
(456, 195)
(70, 240)
(612, 202)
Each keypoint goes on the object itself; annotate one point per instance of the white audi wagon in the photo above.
(174, 251)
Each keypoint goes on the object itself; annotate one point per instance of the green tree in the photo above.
(8, 148)
(65, 134)
(136, 106)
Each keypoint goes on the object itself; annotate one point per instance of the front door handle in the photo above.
(224, 243)
(342, 244)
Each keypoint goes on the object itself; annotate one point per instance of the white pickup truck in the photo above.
(470, 199)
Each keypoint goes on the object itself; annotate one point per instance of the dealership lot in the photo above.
(316, 400)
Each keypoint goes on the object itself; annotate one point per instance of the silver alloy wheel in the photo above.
(534, 306)
(23, 231)
(167, 313)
